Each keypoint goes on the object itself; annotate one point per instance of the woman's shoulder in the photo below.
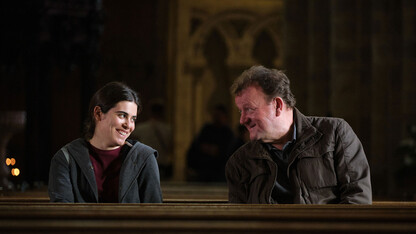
(76, 145)
(138, 148)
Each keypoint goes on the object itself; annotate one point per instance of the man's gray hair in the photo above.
(273, 82)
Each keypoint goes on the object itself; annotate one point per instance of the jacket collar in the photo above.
(304, 128)
(133, 164)
(307, 135)
(79, 151)
(129, 169)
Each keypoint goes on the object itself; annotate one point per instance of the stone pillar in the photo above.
(183, 124)
(344, 99)
(409, 62)
(295, 49)
(363, 65)
(182, 87)
(318, 88)
(386, 108)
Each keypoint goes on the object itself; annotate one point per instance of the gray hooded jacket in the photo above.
(72, 178)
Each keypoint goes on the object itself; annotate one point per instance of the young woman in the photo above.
(105, 166)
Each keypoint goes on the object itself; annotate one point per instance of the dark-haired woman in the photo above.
(105, 166)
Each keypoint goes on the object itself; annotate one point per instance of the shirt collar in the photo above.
(269, 146)
(293, 138)
(294, 132)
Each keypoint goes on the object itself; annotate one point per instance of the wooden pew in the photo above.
(199, 208)
(194, 193)
(173, 192)
(381, 217)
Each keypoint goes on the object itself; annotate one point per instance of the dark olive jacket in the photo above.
(72, 178)
(326, 165)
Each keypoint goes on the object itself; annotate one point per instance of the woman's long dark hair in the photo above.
(106, 98)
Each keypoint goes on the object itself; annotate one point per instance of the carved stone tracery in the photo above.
(239, 29)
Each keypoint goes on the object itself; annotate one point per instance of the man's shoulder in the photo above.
(321, 123)
(326, 123)
(331, 126)
(324, 120)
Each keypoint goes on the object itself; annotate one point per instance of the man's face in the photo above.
(257, 115)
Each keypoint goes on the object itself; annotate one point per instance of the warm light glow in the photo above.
(8, 161)
(15, 171)
(12, 161)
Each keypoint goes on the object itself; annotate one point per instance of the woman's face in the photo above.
(113, 128)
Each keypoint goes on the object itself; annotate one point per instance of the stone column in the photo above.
(295, 48)
(386, 94)
(363, 65)
(318, 89)
(182, 86)
(344, 99)
(183, 122)
(409, 62)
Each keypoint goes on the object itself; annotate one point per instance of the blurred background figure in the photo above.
(207, 155)
(156, 133)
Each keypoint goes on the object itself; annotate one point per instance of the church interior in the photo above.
(354, 60)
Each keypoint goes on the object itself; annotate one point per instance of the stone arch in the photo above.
(239, 46)
(271, 25)
(192, 77)
(221, 22)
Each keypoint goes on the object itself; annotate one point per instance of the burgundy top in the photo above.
(107, 164)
